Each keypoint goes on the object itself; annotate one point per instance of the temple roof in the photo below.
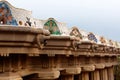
(23, 18)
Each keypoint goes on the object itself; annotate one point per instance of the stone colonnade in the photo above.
(34, 54)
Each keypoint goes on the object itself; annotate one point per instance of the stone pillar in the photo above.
(103, 74)
(82, 76)
(96, 75)
(85, 76)
(91, 75)
(67, 77)
(78, 77)
(110, 73)
(6, 64)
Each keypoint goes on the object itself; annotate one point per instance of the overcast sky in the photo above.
(99, 16)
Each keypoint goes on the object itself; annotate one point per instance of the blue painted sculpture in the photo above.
(92, 37)
(6, 16)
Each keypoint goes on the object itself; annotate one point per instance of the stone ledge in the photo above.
(88, 68)
(53, 52)
(10, 28)
(10, 76)
(108, 65)
(50, 74)
(99, 66)
(69, 71)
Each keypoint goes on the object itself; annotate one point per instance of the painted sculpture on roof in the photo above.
(28, 21)
(6, 15)
(111, 42)
(75, 32)
(52, 26)
(102, 40)
(9, 15)
(92, 37)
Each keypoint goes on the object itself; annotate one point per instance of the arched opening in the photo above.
(52, 27)
(6, 15)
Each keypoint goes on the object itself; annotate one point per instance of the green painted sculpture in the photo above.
(52, 27)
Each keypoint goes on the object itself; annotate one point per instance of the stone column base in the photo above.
(10, 76)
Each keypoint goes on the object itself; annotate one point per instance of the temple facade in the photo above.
(34, 49)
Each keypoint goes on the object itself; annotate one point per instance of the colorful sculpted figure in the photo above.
(52, 27)
(2, 15)
(28, 21)
(92, 37)
(102, 40)
(5, 15)
(75, 32)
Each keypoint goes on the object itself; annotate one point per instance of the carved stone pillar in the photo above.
(110, 73)
(14, 62)
(67, 77)
(78, 77)
(58, 62)
(103, 74)
(91, 74)
(6, 64)
(82, 76)
(85, 76)
(96, 75)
